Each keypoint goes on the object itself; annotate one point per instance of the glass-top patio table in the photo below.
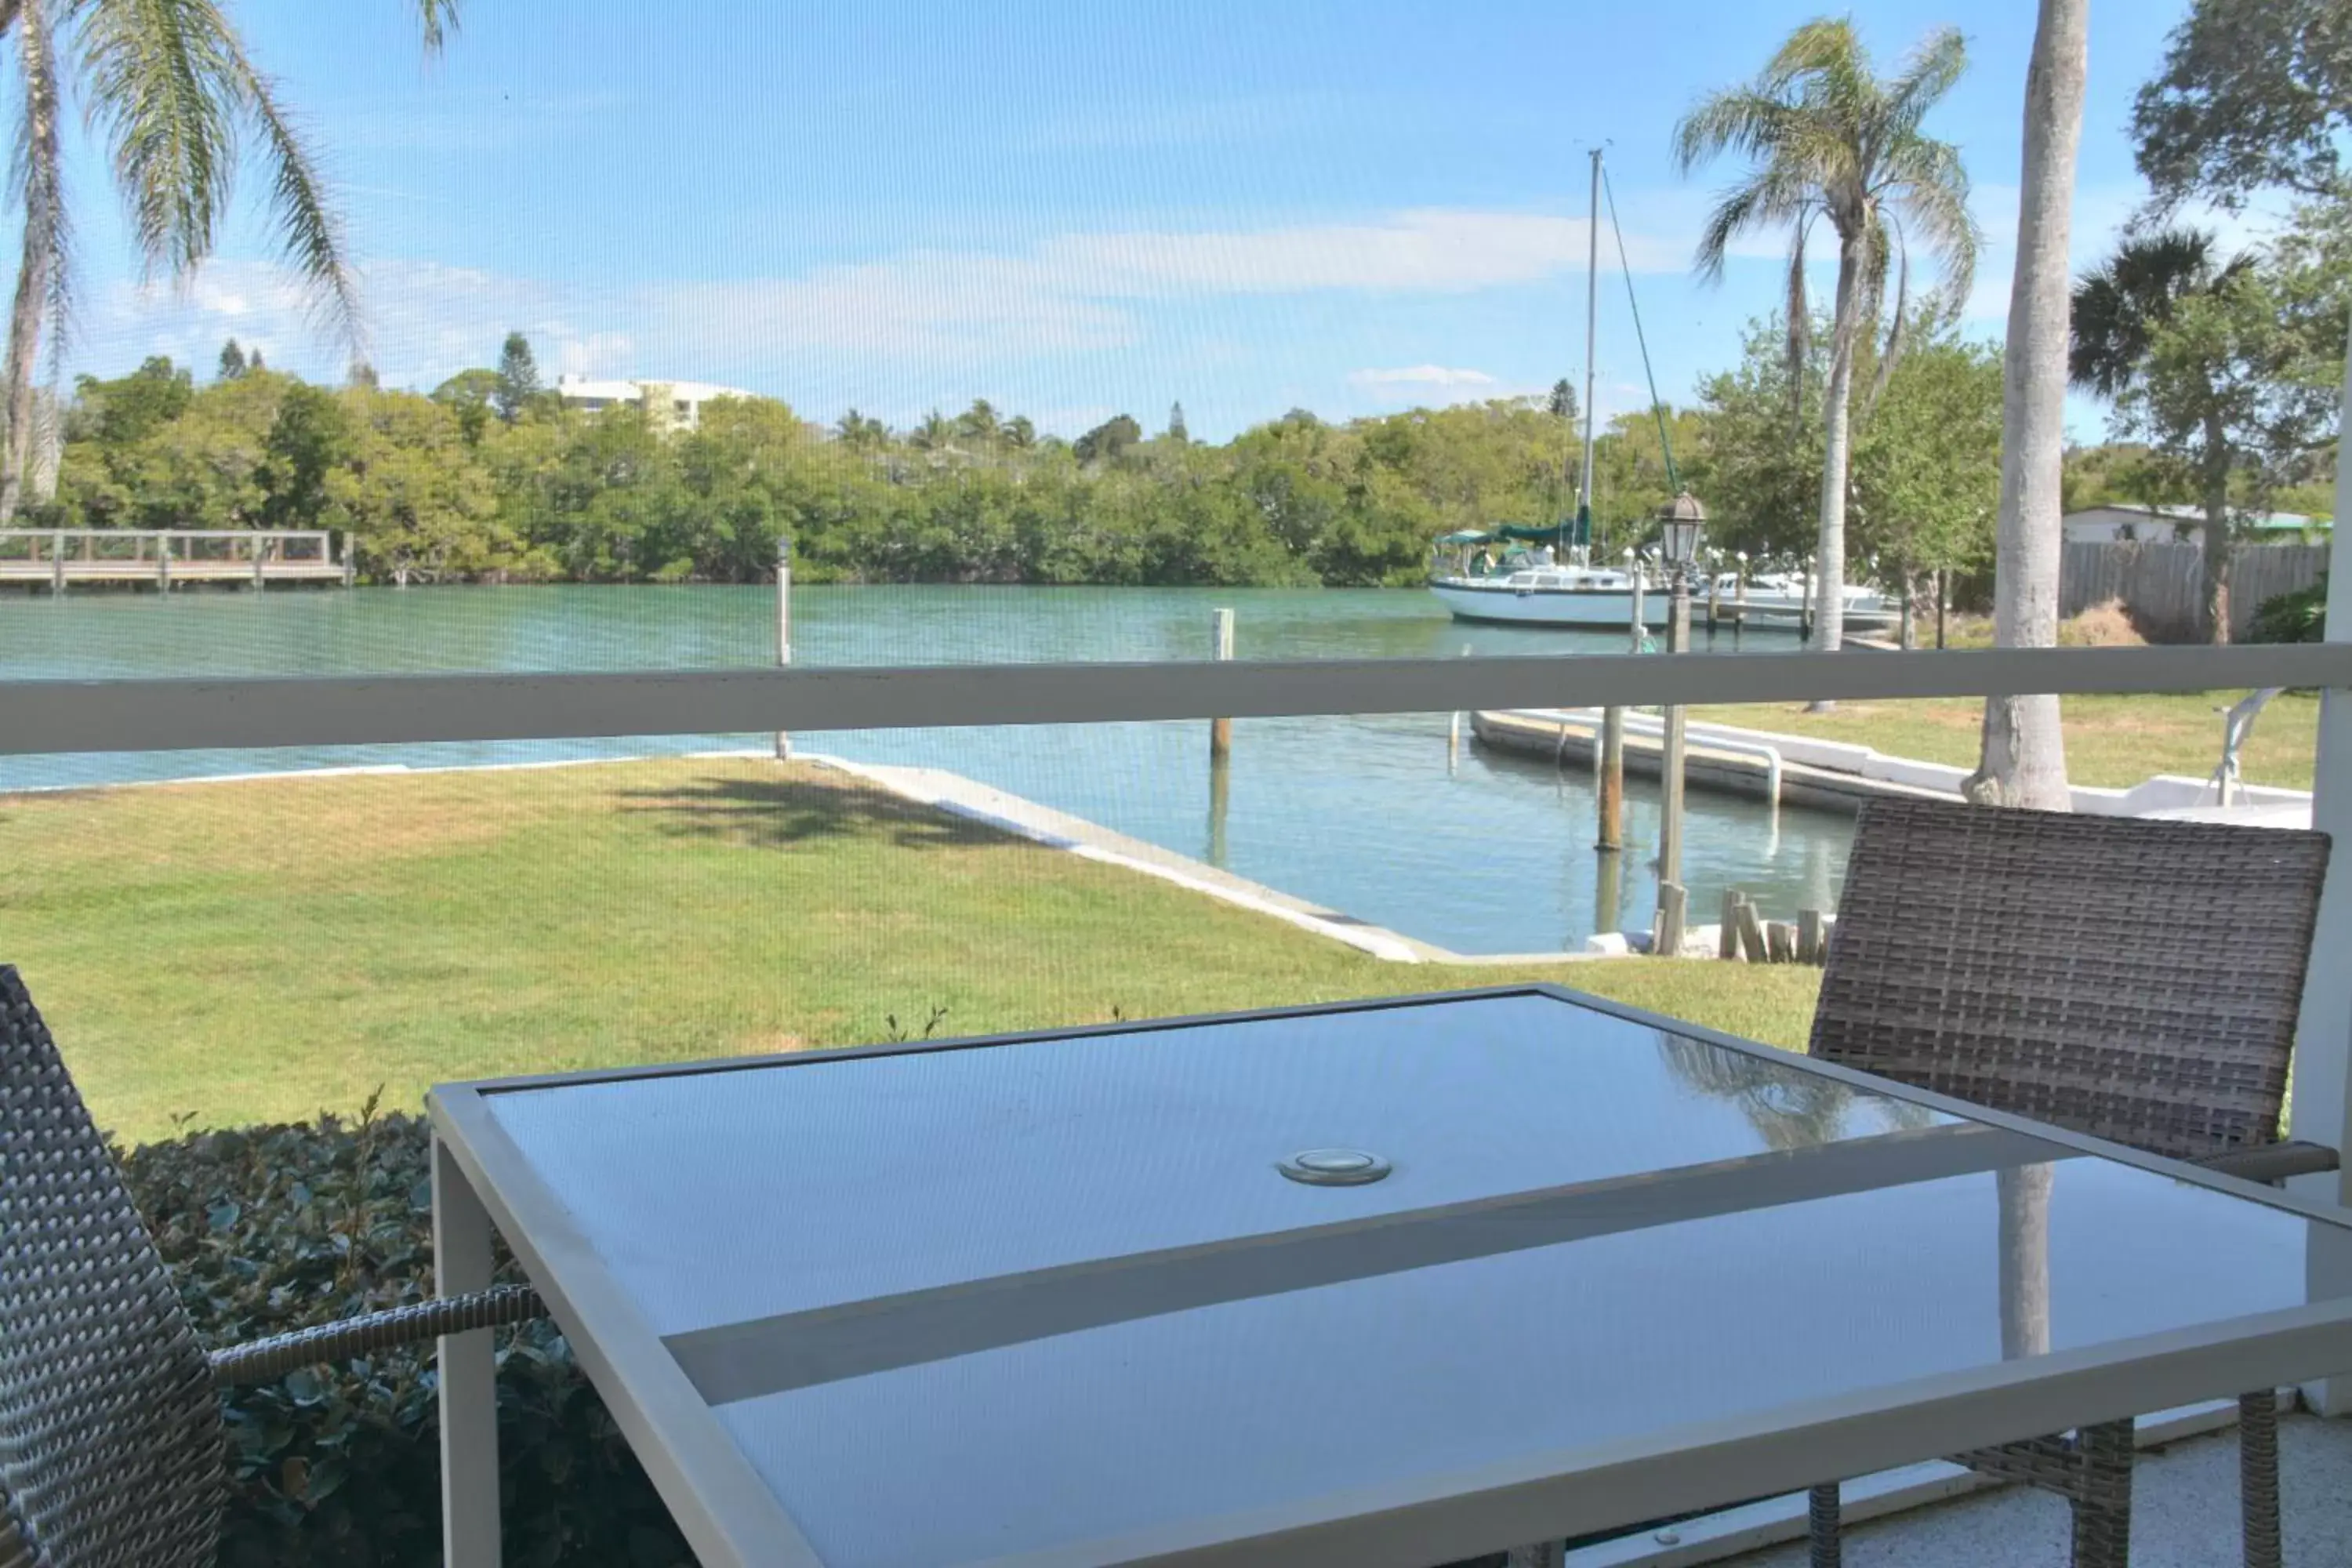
(1383, 1283)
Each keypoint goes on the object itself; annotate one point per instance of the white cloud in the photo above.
(933, 310)
(1421, 375)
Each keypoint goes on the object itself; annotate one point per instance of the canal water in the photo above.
(1486, 854)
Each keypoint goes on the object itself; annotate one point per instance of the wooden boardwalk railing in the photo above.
(58, 557)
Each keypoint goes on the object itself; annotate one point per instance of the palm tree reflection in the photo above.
(1787, 1107)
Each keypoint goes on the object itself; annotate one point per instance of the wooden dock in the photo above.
(56, 558)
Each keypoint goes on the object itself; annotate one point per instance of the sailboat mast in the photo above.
(1591, 330)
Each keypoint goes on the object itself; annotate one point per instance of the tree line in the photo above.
(492, 477)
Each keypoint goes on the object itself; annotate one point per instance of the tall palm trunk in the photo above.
(2217, 529)
(1837, 446)
(2024, 756)
(37, 278)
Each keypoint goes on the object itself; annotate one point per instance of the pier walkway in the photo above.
(56, 558)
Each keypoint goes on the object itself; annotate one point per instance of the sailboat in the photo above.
(1547, 577)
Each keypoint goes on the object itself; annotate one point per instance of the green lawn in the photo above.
(2111, 741)
(234, 952)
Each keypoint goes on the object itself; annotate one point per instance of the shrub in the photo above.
(2107, 624)
(2300, 616)
(274, 1228)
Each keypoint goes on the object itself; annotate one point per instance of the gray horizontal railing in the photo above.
(62, 716)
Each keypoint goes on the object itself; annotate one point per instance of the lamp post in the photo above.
(1681, 522)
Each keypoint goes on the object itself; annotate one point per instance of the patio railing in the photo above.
(77, 716)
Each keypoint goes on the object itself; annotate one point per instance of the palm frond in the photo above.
(2119, 305)
(310, 230)
(1823, 56)
(437, 19)
(1739, 119)
(1896, 329)
(1800, 348)
(158, 80)
(1930, 72)
(1927, 182)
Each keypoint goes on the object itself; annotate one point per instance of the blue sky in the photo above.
(1073, 209)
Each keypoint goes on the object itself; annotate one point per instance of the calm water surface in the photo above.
(1491, 854)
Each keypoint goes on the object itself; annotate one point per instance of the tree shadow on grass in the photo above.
(785, 814)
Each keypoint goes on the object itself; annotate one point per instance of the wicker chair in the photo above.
(112, 1451)
(2135, 981)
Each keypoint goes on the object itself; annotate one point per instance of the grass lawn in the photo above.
(2110, 741)
(213, 954)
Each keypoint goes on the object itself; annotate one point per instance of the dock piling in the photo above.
(1611, 789)
(1726, 934)
(1220, 731)
(783, 628)
(1673, 907)
(1813, 945)
(1751, 934)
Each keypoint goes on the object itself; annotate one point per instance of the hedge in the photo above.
(273, 1228)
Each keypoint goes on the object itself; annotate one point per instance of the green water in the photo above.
(1364, 813)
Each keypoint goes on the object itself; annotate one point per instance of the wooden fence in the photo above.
(2163, 586)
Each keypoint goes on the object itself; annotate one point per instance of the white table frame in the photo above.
(732, 1519)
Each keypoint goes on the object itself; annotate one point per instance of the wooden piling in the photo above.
(1751, 934)
(1220, 731)
(783, 629)
(1780, 942)
(1611, 789)
(1812, 946)
(1727, 935)
(1673, 910)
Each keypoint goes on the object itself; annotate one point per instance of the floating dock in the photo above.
(1837, 775)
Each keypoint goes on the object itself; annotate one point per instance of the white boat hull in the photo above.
(1607, 608)
(1611, 609)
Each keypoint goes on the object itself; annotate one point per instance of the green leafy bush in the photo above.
(2297, 616)
(274, 1228)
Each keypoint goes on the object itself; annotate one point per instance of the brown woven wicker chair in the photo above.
(2136, 981)
(112, 1452)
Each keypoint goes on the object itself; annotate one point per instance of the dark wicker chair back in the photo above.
(110, 1436)
(2137, 981)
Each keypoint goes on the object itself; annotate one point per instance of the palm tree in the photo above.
(979, 422)
(2118, 310)
(2022, 758)
(169, 85)
(1826, 138)
(932, 433)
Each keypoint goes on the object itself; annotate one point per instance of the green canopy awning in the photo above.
(1563, 532)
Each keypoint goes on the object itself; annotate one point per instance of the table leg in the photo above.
(1543, 1554)
(469, 1400)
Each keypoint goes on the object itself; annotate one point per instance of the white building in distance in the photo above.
(669, 405)
(2186, 525)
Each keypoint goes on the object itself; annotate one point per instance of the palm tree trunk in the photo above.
(2216, 531)
(2024, 761)
(36, 277)
(1837, 453)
